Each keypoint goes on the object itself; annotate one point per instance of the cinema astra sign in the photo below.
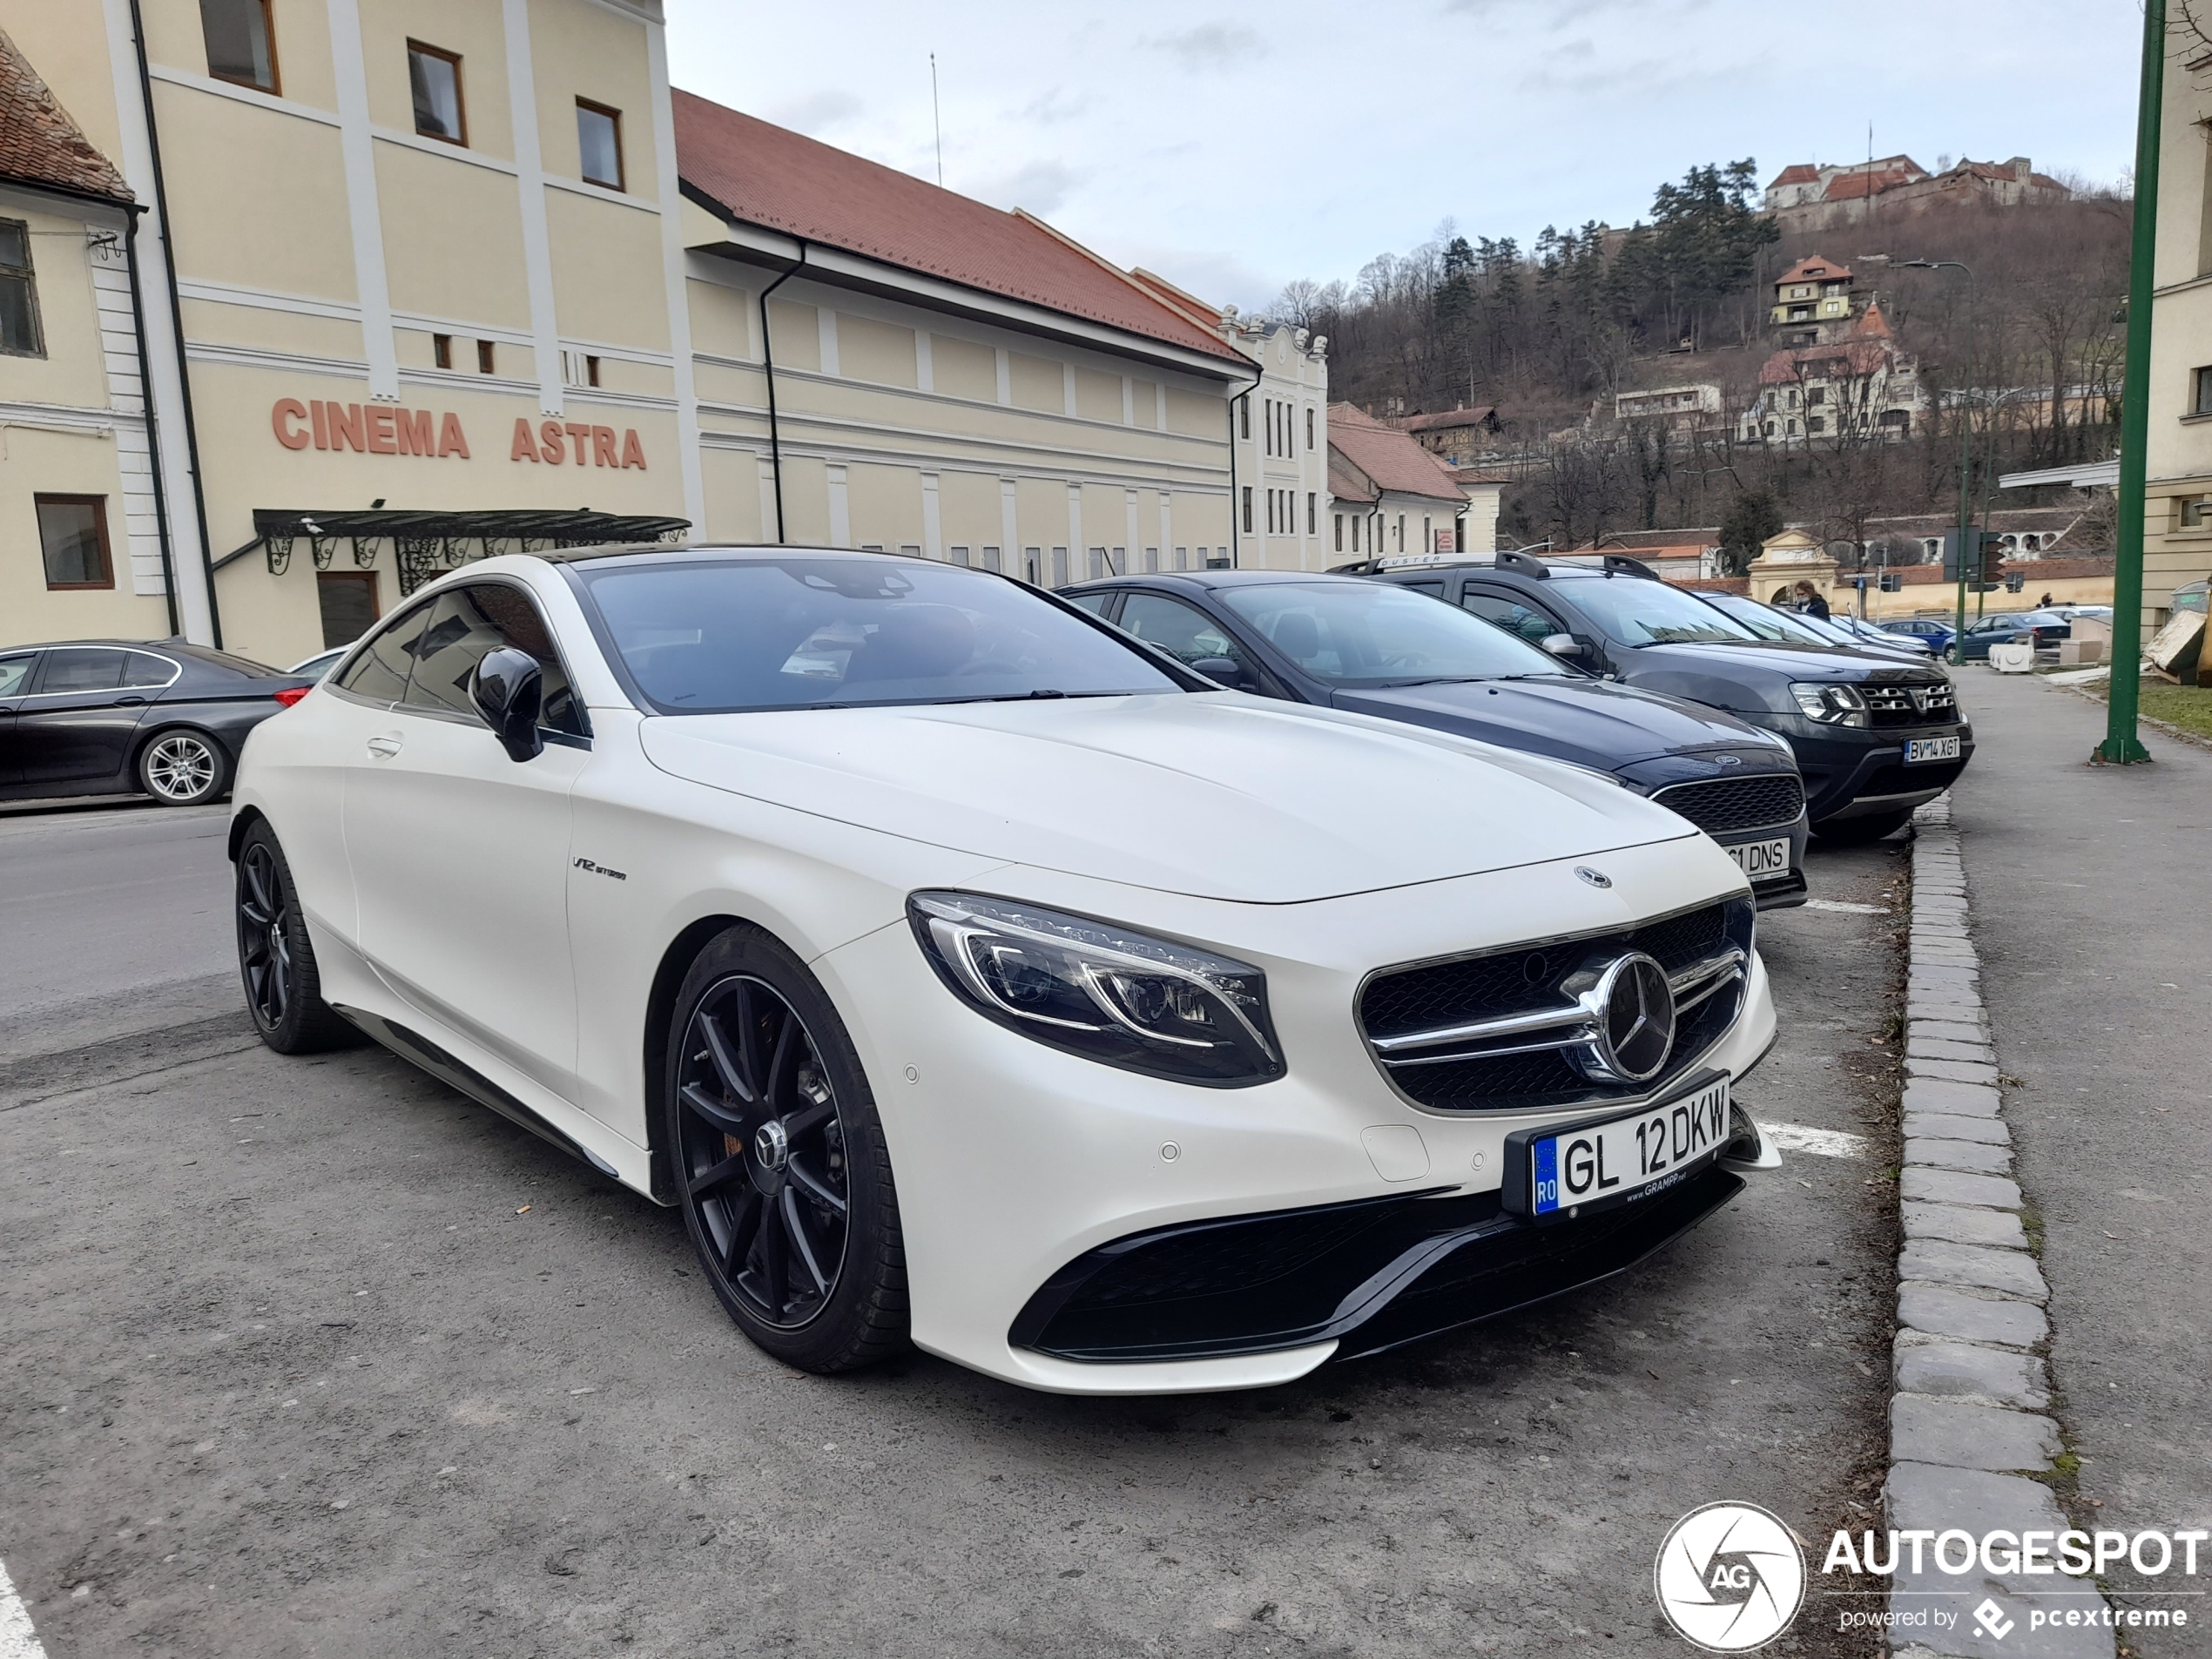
(385, 429)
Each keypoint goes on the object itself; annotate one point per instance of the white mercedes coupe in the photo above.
(972, 975)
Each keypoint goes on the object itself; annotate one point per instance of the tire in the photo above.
(779, 1159)
(183, 767)
(276, 959)
(1857, 832)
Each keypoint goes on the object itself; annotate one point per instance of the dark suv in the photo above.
(1337, 642)
(1874, 737)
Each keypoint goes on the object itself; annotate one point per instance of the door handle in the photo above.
(384, 748)
(128, 702)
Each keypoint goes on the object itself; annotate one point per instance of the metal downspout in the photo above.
(768, 367)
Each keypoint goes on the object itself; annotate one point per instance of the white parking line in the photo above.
(1822, 1143)
(1854, 909)
(18, 1639)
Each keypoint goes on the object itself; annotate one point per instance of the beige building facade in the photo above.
(2178, 536)
(453, 278)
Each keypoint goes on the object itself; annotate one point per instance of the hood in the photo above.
(1756, 677)
(1215, 795)
(1592, 723)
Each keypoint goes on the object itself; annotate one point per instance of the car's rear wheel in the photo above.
(275, 957)
(181, 768)
(1857, 832)
(780, 1162)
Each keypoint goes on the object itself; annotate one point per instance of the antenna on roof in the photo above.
(937, 120)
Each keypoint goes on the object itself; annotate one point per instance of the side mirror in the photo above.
(509, 691)
(1223, 670)
(1561, 645)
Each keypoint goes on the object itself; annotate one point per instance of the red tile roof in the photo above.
(1815, 269)
(39, 144)
(1801, 172)
(769, 176)
(1856, 186)
(1387, 457)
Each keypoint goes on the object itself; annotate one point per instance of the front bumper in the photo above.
(1858, 771)
(1016, 1160)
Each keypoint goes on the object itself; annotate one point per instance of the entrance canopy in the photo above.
(427, 545)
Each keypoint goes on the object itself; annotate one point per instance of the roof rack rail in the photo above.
(1526, 564)
(1621, 565)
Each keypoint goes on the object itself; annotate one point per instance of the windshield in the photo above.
(1638, 611)
(827, 633)
(1366, 633)
(1768, 622)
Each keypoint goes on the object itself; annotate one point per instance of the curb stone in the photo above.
(1966, 1428)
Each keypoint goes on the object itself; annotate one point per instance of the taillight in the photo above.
(292, 694)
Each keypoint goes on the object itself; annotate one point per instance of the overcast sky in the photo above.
(1233, 148)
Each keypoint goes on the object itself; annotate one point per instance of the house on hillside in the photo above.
(1391, 497)
(1460, 436)
(1682, 408)
(1813, 301)
(1858, 388)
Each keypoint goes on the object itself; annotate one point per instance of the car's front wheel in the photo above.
(780, 1162)
(184, 768)
(275, 957)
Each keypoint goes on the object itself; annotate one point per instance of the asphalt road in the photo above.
(2087, 887)
(314, 1357)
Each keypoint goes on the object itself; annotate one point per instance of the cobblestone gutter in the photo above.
(1969, 1424)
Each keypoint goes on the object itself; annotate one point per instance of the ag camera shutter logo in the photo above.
(1729, 1577)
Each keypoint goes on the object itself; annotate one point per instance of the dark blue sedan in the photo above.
(1341, 642)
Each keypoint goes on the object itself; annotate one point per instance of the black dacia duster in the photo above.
(1874, 737)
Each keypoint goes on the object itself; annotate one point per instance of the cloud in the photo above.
(818, 112)
(1054, 106)
(1211, 47)
(1041, 186)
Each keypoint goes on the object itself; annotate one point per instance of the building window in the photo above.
(1248, 505)
(19, 332)
(598, 141)
(238, 42)
(1312, 511)
(2196, 513)
(1816, 423)
(2201, 389)
(347, 599)
(1339, 532)
(579, 368)
(1816, 396)
(1183, 558)
(992, 559)
(435, 77)
(1151, 559)
(1059, 567)
(1401, 532)
(959, 555)
(72, 534)
(1245, 420)
(442, 350)
(486, 362)
(1309, 426)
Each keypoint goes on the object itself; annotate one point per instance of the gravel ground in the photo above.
(314, 1357)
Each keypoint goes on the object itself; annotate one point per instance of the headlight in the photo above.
(1831, 705)
(1126, 999)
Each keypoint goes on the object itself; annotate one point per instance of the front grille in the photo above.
(1927, 704)
(1720, 804)
(1530, 978)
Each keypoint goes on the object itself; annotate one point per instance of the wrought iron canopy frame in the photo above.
(427, 545)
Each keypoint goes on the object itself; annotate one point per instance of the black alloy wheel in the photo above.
(275, 957)
(779, 1161)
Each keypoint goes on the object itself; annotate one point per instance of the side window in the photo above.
(144, 671)
(1511, 615)
(466, 625)
(81, 669)
(15, 673)
(380, 672)
(1181, 631)
(1094, 603)
(1434, 589)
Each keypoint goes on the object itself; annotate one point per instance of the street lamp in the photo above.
(1965, 452)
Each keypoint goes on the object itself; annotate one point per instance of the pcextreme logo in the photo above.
(1729, 1577)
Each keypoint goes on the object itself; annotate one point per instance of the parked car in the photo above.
(1874, 737)
(1770, 622)
(1337, 641)
(1999, 628)
(320, 664)
(104, 717)
(1866, 636)
(966, 970)
(1935, 635)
